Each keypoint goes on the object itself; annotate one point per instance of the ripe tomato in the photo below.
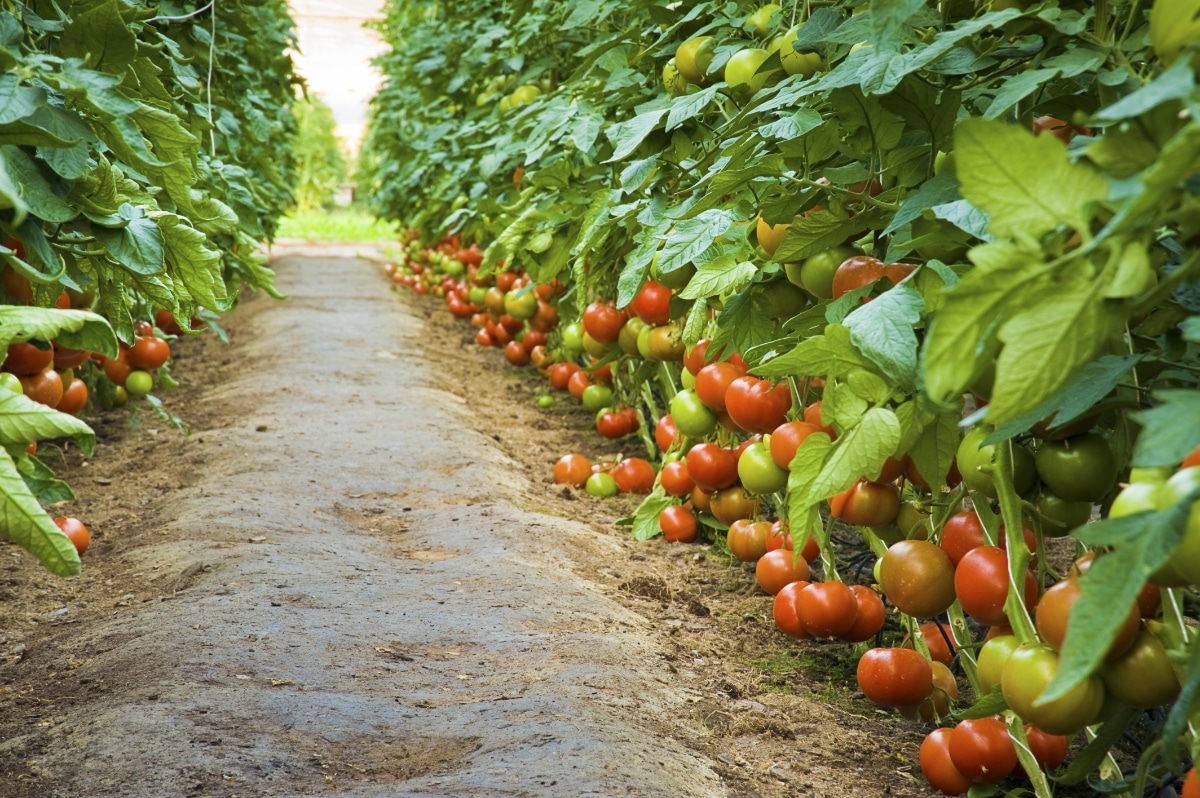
(937, 766)
(945, 691)
(675, 478)
(614, 425)
(1048, 749)
(981, 582)
(860, 270)
(1053, 615)
(45, 387)
(15, 284)
(665, 432)
(69, 358)
(516, 354)
(1142, 677)
(827, 609)
(1024, 679)
(603, 322)
(787, 438)
(961, 533)
(25, 359)
(149, 353)
(917, 577)
(690, 415)
(75, 531)
(711, 467)
(572, 469)
(787, 620)
(866, 504)
(757, 470)
(778, 568)
(634, 475)
(677, 523)
(713, 381)
(731, 504)
(701, 499)
(780, 538)
(812, 415)
(1193, 459)
(870, 617)
(747, 539)
(983, 750)
(757, 405)
(74, 398)
(1191, 785)
(1060, 129)
(577, 383)
(652, 304)
(895, 677)
(938, 643)
(1081, 468)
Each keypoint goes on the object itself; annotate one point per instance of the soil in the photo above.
(356, 577)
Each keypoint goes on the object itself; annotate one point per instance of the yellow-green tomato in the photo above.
(795, 63)
(139, 383)
(11, 382)
(742, 75)
(675, 83)
(601, 485)
(1142, 677)
(693, 57)
(759, 23)
(1184, 566)
(757, 470)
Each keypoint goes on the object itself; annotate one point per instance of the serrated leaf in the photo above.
(193, 260)
(723, 275)
(100, 36)
(938, 190)
(832, 355)
(138, 245)
(1025, 184)
(77, 329)
(24, 522)
(745, 321)
(882, 329)
(817, 232)
(645, 520)
(23, 420)
(933, 452)
(690, 237)
(689, 106)
(1170, 430)
(626, 136)
(858, 453)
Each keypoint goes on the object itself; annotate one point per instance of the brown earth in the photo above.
(356, 577)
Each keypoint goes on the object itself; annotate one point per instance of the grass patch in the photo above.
(340, 224)
(785, 668)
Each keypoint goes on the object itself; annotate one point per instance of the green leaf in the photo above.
(77, 329)
(745, 321)
(858, 453)
(1174, 84)
(1048, 341)
(991, 704)
(890, 20)
(138, 245)
(690, 237)
(41, 481)
(626, 136)
(1144, 542)
(24, 522)
(832, 355)
(23, 420)
(645, 520)
(1068, 403)
(870, 127)
(17, 101)
(721, 276)
(882, 329)
(1183, 711)
(1017, 88)
(817, 232)
(933, 452)
(1085, 762)
(793, 125)
(688, 107)
(193, 260)
(1169, 430)
(938, 190)
(1025, 183)
(803, 517)
(33, 188)
(100, 36)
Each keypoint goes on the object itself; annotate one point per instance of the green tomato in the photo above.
(742, 75)
(1155, 475)
(11, 382)
(596, 396)
(1142, 677)
(759, 22)
(757, 470)
(815, 273)
(476, 295)
(139, 383)
(1184, 566)
(1061, 517)
(687, 379)
(601, 485)
(795, 63)
(1077, 469)
(1024, 679)
(524, 94)
(691, 416)
(976, 464)
(120, 396)
(595, 348)
(676, 279)
(627, 339)
(453, 268)
(521, 304)
(643, 343)
(943, 163)
(544, 400)
(787, 299)
(675, 83)
(949, 245)
(572, 339)
(693, 57)
(990, 664)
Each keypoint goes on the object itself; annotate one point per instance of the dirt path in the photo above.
(352, 579)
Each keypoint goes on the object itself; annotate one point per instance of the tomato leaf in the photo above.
(804, 518)
(1175, 83)
(1025, 183)
(744, 321)
(882, 329)
(991, 704)
(626, 136)
(831, 355)
(817, 232)
(1144, 542)
(77, 329)
(1169, 430)
(1183, 710)
(645, 520)
(721, 276)
(24, 522)
(23, 420)
(41, 481)
(936, 191)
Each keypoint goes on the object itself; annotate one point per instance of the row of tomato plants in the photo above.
(144, 157)
(943, 254)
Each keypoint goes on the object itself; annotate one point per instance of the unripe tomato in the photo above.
(601, 485)
(983, 750)
(690, 415)
(757, 470)
(572, 469)
(1061, 517)
(1024, 679)
(139, 383)
(1143, 676)
(895, 677)
(693, 57)
(778, 568)
(747, 539)
(977, 462)
(678, 524)
(866, 504)
(917, 577)
(1081, 468)
(596, 397)
(665, 343)
(770, 236)
(993, 655)
(701, 499)
(757, 405)
(815, 273)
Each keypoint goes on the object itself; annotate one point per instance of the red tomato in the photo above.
(711, 467)
(634, 475)
(812, 415)
(75, 531)
(863, 270)
(713, 381)
(675, 478)
(614, 425)
(678, 524)
(603, 374)
(1191, 785)
(603, 322)
(572, 469)
(653, 304)
(698, 356)
(45, 388)
(787, 438)
(533, 338)
(166, 322)
(1060, 129)
(784, 611)
(937, 766)
(1053, 616)
(1193, 459)
(1050, 750)
(560, 375)
(827, 609)
(577, 382)
(516, 354)
(778, 568)
(25, 359)
(701, 499)
(917, 577)
(961, 533)
(895, 677)
(69, 358)
(149, 353)
(757, 405)
(983, 750)
(780, 538)
(981, 582)
(74, 398)
(665, 432)
(747, 540)
(870, 617)
(935, 641)
(866, 504)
